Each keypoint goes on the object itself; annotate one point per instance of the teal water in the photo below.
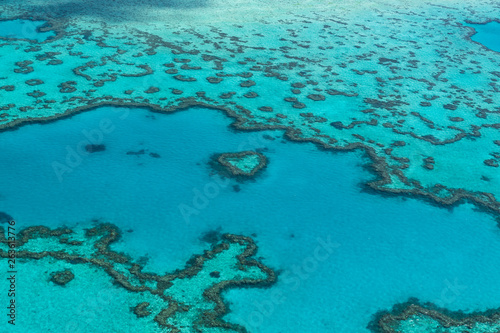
(383, 250)
(488, 35)
(24, 29)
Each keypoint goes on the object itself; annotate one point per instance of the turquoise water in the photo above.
(339, 83)
(24, 29)
(383, 250)
(488, 35)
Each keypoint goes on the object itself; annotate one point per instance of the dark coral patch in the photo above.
(34, 82)
(251, 94)
(141, 310)
(491, 163)
(214, 80)
(248, 83)
(90, 148)
(4, 217)
(316, 97)
(36, 94)
(227, 95)
(184, 78)
(211, 236)
(152, 90)
(298, 105)
(8, 88)
(67, 87)
(171, 71)
(215, 274)
(62, 278)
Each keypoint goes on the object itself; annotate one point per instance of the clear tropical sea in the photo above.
(24, 29)
(488, 35)
(379, 251)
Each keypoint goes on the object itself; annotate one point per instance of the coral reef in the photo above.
(201, 307)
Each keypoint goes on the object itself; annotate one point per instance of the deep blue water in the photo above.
(488, 35)
(24, 29)
(386, 249)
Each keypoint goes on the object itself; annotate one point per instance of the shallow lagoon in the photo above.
(488, 35)
(24, 29)
(384, 250)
